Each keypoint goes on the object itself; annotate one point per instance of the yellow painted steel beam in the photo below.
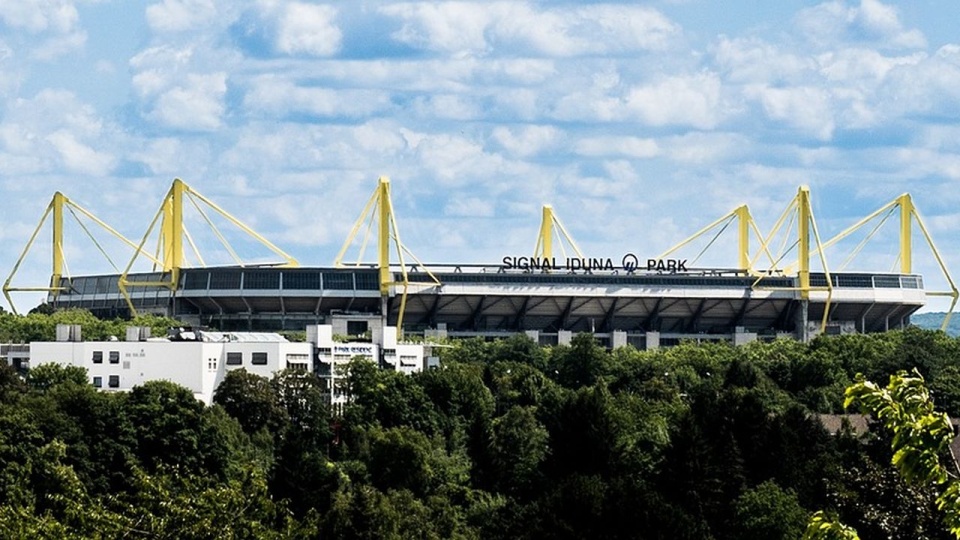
(289, 262)
(7, 288)
(55, 210)
(803, 248)
(743, 237)
(906, 233)
(953, 293)
(549, 224)
(545, 240)
(57, 273)
(379, 209)
(385, 212)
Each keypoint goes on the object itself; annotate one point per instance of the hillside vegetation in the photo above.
(506, 440)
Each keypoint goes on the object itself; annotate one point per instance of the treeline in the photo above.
(41, 325)
(505, 440)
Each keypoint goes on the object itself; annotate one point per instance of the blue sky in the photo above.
(639, 122)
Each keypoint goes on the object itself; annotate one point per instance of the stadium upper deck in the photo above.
(492, 301)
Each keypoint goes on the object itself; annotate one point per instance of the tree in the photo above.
(520, 447)
(172, 429)
(47, 376)
(252, 400)
(920, 436)
(769, 512)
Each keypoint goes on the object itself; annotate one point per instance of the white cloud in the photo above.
(78, 157)
(55, 23)
(480, 28)
(699, 147)
(747, 60)
(176, 96)
(195, 105)
(683, 100)
(526, 140)
(54, 129)
(182, 15)
(634, 147)
(805, 108)
(469, 207)
(308, 29)
(930, 86)
(274, 95)
(830, 23)
(57, 16)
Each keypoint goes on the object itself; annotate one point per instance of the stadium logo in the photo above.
(629, 263)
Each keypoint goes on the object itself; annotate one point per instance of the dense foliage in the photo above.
(41, 324)
(505, 440)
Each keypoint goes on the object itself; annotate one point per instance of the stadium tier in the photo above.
(493, 301)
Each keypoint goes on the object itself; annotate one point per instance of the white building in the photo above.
(390, 353)
(198, 361)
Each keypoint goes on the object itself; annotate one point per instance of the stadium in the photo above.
(638, 300)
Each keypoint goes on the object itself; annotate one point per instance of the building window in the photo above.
(355, 328)
(234, 359)
(114, 357)
(324, 351)
(408, 361)
(298, 361)
(114, 381)
(211, 364)
(97, 357)
(259, 359)
(98, 382)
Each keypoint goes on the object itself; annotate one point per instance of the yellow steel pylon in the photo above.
(172, 234)
(800, 211)
(55, 210)
(544, 246)
(379, 208)
(745, 225)
(908, 215)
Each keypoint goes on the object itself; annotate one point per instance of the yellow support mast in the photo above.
(745, 225)
(379, 208)
(55, 210)
(908, 215)
(907, 211)
(801, 209)
(549, 223)
(172, 232)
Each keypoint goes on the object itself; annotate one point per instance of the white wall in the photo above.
(198, 366)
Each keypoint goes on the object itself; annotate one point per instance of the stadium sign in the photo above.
(629, 263)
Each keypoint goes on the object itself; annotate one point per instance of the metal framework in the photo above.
(800, 211)
(908, 215)
(544, 247)
(379, 209)
(55, 211)
(170, 249)
(745, 225)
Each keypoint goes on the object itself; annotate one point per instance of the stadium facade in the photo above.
(628, 300)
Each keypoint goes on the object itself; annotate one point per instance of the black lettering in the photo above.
(651, 264)
(682, 266)
(507, 263)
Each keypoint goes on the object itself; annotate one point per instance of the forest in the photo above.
(506, 439)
